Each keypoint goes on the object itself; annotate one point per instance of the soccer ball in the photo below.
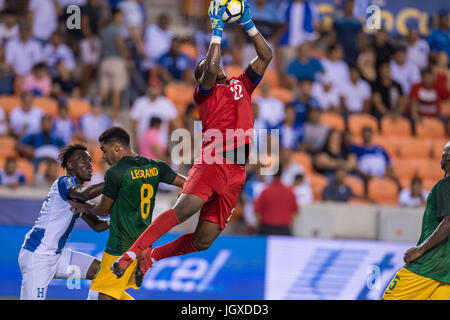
(234, 10)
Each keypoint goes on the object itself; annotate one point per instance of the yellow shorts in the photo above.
(407, 285)
(106, 282)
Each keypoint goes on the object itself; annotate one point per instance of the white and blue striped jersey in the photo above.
(55, 222)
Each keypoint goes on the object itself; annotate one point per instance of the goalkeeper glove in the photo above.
(215, 16)
(246, 20)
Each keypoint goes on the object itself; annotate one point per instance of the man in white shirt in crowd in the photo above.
(271, 109)
(417, 48)
(403, 71)
(23, 52)
(355, 94)
(302, 190)
(326, 93)
(158, 40)
(415, 195)
(9, 28)
(56, 50)
(43, 16)
(26, 118)
(335, 68)
(154, 104)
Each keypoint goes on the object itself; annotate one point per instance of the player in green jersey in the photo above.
(131, 184)
(426, 274)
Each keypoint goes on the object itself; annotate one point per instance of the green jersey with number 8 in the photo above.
(132, 183)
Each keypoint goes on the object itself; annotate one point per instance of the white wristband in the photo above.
(216, 39)
(252, 32)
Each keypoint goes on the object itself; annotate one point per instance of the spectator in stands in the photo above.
(302, 190)
(116, 59)
(304, 101)
(175, 65)
(356, 94)
(276, 208)
(372, 160)
(63, 126)
(10, 176)
(271, 109)
(291, 134)
(367, 64)
(348, 30)
(387, 95)
(23, 52)
(326, 93)
(441, 71)
(56, 51)
(43, 14)
(253, 186)
(158, 40)
(65, 85)
(38, 81)
(335, 68)
(383, 49)
(9, 28)
(337, 190)
(46, 178)
(134, 21)
(202, 39)
(150, 144)
(291, 168)
(426, 97)
(403, 71)
(414, 196)
(417, 48)
(439, 39)
(301, 19)
(26, 118)
(90, 46)
(334, 155)
(93, 123)
(6, 75)
(42, 145)
(3, 122)
(304, 66)
(154, 104)
(315, 133)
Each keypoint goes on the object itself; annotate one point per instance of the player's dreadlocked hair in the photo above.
(67, 152)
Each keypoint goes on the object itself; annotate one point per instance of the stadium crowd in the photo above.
(362, 116)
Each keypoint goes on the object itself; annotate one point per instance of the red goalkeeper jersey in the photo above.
(226, 112)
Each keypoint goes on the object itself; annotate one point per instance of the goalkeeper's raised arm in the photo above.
(263, 49)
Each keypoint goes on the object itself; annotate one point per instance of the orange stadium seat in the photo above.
(405, 168)
(383, 191)
(414, 148)
(180, 94)
(284, 95)
(445, 108)
(271, 76)
(333, 120)
(233, 70)
(430, 128)
(7, 103)
(438, 147)
(428, 184)
(48, 105)
(304, 160)
(77, 108)
(430, 170)
(390, 144)
(318, 183)
(356, 184)
(400, 127)
(7, 147)
(357, 121)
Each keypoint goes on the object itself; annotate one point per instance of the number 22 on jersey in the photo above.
(147, 192)
(237, 89)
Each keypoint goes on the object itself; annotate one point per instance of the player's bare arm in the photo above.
(95, 223)
(101, 209)
(84, 194)
(262, 47)
(211, 62)
(179, 180)
(441, 233)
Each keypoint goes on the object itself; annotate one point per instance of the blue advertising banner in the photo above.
(233, 268)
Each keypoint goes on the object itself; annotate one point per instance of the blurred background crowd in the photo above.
(362, 115)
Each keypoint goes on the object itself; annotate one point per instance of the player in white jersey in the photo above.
(42, 256)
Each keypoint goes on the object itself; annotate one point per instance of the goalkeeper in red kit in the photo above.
(216, 179)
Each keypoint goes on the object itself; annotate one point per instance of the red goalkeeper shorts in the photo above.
(219, 185)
